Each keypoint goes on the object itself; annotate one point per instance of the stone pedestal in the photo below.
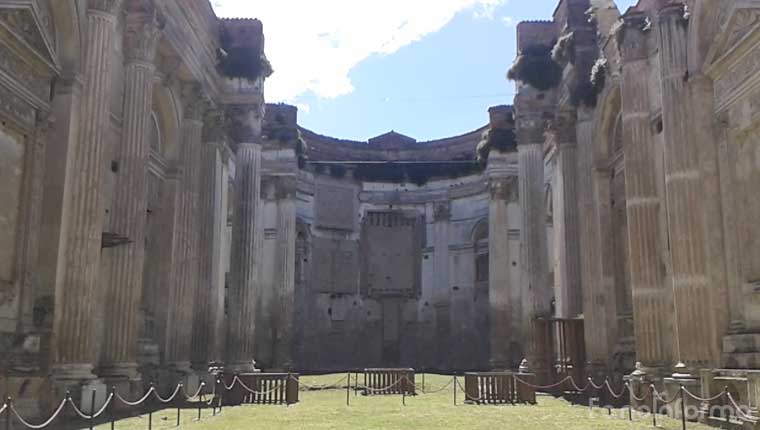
(684, 403)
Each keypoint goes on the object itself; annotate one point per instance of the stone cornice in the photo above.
(110, 7)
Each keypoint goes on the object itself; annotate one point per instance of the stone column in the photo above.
(246, 256)
(569, 300)
(285, 275)
(536, 294)
(208, 292)
(119, 354)
(501, 308)
(651, 298)
(182, 294)
(697, 342)
(73, 329)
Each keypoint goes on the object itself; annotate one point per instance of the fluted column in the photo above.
(536, 297)
(119, 356)
(246, 258)
(501, 306)
(697, 341)
(183, 292)
(207, 292)
(651, 298)
(569, 300)
(285, 272)
(73, 328)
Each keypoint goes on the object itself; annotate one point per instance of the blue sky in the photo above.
(360, 68)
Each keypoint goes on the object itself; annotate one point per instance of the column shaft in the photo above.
(285, 275)
(246, 246)
(683, 185)
(501, 307)
(130, 203)
(536, 297)
(74, 332)
(569, 300)
(651, 299)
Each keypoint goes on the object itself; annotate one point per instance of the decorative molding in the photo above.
(105, 6)
(16, 109)
(31, 79)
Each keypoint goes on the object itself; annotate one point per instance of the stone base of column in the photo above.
(641, 380)
(126, 380)
(79, 382)
(673, 386)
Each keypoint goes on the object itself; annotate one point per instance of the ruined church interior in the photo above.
(158, 216)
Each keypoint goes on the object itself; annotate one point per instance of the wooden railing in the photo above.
(261, 389)
(499, 388)
(389, 381)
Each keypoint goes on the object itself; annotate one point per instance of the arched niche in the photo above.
(167, 119)
(480, 249)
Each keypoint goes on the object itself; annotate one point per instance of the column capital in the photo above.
(105, 6)
(632, 37)
(503, 188)
(215, 124)
(142, 33)
(194, 101)
(245, 121)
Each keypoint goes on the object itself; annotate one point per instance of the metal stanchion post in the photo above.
(683, 410)
(728, 414)
(423, 381)
(221, 396)
(112, 413)
(179, 404)
(630, 403)
(200, 405)
(348, 390)
(92, 408)
(654, 407)
(455, 390)
(9, 402)
(403, 396)
(150, 410)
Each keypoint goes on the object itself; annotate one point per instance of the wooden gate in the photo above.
(389, 381)
(261, 389)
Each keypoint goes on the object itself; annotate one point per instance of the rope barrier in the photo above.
(738, 408)
(591, 381)
(577, 388)
(662, 399)
(319, 387)
(137, 403)
(633, 396)
(706, 399)
(197, 393)
(545, 387)
(170, 398)
(366, 388)
(612, 392)
(38, 426)
(414, 385)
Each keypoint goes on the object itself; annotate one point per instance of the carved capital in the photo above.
(43, 125)
(632, 37)
(503, 189)
(215, 125)
(245, 122)
(442, 211)
(105, 6)
(142, 33)
(194, 101)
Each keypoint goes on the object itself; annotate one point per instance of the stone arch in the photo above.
(608, 119)
(167, 116)
(479, 235)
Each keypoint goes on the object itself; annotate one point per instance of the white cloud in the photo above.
(313, 45)
(508, 21)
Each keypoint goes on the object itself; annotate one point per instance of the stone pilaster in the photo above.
(442, 287)
(183, 292)
(74, 348)
(651, 297)
(501, 306)
(34, 171)
(119, 353)
(536, 294)
(696, 335)
(246, 256)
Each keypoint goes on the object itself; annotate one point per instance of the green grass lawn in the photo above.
(328, 410)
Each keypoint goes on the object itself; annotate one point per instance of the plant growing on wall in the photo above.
(241, 62)
(535, 67)
(564, 50)
(499, 139)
